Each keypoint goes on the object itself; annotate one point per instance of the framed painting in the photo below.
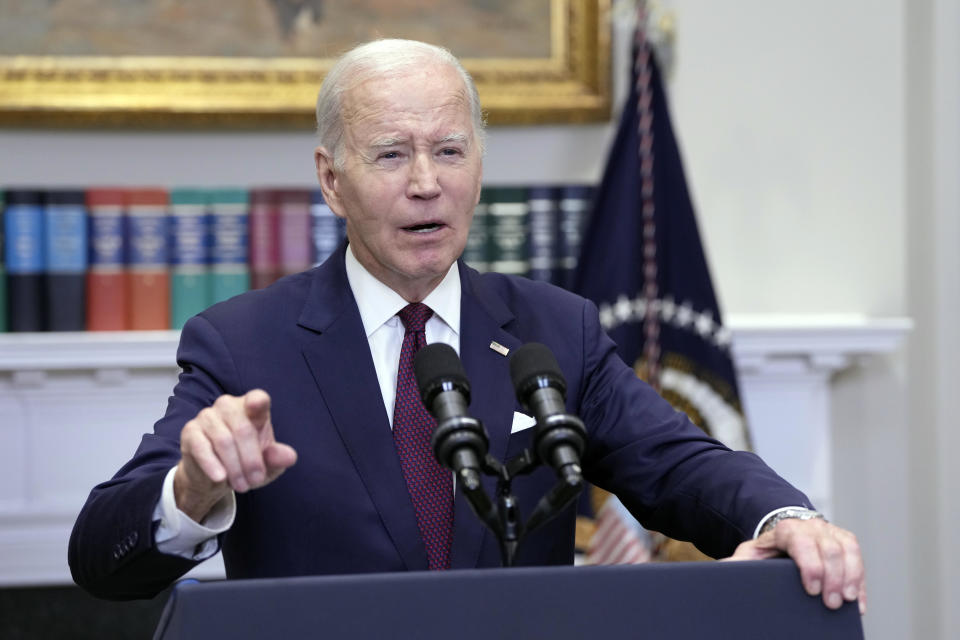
(259, 63)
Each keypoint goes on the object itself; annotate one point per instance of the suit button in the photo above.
(134, 537)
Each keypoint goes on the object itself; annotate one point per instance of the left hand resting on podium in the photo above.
(828, 558)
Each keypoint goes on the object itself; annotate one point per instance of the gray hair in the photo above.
(383, 58)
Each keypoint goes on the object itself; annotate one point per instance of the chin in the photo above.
(434, 261)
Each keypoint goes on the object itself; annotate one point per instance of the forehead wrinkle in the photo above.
(362, 115)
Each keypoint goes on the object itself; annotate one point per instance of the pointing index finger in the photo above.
(256, 404)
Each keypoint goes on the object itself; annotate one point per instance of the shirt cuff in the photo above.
(179, 535)
(764, 519)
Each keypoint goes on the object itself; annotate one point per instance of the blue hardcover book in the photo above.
(326, 227)
(65, 252)
(190, 280)
(475, 254)
(575, 202)
(107, 290)
(229, 236)
(507, 214)
(3, 273)
(544, 204)
(23, 231)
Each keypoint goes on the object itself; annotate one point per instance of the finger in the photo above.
(853, 572)
(753, 550)
(862, 598)
(832, 556)
(805, 553)
(246, 439)
(744, 551)
(279, 457)
(256, 410)
(199, 457)
(256, 406)
(216, 427)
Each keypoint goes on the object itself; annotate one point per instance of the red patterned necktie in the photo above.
(429, 484)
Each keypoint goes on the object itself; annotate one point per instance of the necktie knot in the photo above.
(414, 316)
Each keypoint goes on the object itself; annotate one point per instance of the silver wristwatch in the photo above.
(798, 513)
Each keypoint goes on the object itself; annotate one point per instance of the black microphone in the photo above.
(459, 441)
(559, 438)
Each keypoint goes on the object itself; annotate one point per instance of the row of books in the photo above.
(107, 259)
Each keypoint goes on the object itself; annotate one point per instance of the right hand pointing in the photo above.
(229, 445)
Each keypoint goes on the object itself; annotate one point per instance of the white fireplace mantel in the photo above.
(59, 389)
(785, 365)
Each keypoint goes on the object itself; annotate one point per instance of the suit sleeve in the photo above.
(112, 551)
(670, 475)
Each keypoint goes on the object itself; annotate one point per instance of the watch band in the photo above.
(797, 513)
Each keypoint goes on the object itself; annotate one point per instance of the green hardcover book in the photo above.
(3, 272)
(507, 215)
(190, 281)
(475, 253)
(229, 236)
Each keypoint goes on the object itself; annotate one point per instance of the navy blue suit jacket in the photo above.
(344, 507)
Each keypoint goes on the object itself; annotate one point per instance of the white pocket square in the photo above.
(521, 421)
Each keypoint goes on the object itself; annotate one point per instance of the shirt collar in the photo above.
(378, 303)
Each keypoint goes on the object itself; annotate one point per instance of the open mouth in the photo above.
(426, 227)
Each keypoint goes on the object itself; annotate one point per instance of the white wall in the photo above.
(793, 121)
(792, 118)
(933, 200)
(825, 181)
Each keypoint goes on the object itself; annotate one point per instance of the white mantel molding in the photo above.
(83, 351)
(756, 339)
(825, 342)
(784, 335)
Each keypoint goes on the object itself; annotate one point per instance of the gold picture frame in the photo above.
(571, 85)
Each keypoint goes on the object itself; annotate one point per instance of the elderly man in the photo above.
(291, 437)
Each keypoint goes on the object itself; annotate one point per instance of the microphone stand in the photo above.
(504, 518)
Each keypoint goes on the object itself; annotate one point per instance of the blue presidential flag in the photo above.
(642, 263)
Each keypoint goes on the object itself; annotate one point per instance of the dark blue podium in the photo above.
(682, 600)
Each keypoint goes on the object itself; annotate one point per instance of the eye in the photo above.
(449, 151)
(389, 155)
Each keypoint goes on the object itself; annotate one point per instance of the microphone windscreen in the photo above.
(437, 363)
(532, 361)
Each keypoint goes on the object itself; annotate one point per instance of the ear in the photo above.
(479, 184)
(328, 179)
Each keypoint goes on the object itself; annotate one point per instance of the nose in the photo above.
(424, 181)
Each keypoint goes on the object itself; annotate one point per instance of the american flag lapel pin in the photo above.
(499, 348)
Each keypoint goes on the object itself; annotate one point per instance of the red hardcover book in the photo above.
(147, 259)
(264, 228)
(295, 240)
(106, 273)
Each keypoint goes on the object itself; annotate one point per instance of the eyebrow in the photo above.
(455, 137)
(459, 138)
(387, 142)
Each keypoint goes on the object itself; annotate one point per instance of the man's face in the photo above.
(411, 176)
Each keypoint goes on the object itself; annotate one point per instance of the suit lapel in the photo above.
(483, 316)
(338, 354)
